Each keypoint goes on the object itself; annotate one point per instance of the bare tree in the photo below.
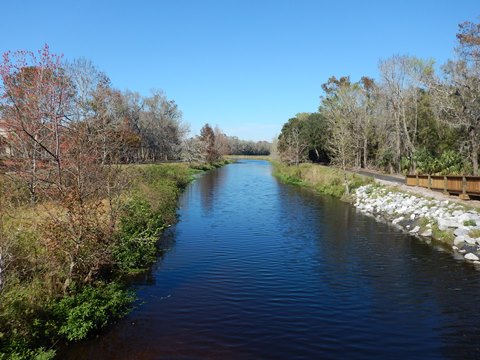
(222, 146)
(402, 77)
(292, 147)
(342, 108)
(457, 100)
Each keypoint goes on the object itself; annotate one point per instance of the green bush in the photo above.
(28, 354)
(145, 215)
(90, 309)
(448, 163)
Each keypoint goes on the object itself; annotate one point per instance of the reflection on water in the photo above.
(260, 270)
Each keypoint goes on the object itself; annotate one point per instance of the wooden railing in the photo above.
(451, 184)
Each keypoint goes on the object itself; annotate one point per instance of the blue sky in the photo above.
(247, 66)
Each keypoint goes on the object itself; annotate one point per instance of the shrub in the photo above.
(90, 309)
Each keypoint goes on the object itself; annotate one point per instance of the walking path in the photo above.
(399, 181)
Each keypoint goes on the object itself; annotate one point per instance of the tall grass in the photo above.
(324, 179)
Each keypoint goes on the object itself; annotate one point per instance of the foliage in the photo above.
(448, 163)
(150, 208)
(302, 137)
(207, 148)
(90, 309)
(244, 147)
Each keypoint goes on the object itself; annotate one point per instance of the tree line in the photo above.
(57, 116)
(411, 119)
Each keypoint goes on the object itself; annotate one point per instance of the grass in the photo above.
(445, 236)
(475, 233)
(469, 223)
(324, 179)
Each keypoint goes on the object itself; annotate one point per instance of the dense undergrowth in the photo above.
(323, 179)
(58, 285)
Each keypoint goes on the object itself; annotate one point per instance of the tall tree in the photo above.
(402, 78)
(457, 94)
(207, 137)
(292, 145)
(36, 99)
(341, 106)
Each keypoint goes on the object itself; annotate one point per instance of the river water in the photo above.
(261, 270)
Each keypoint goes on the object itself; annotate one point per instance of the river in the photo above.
(261, 270)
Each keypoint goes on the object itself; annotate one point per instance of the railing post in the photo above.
(417, 180)
(429, 182)
(445, 185)
(464, 195)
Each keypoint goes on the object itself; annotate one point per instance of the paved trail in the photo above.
(399, 181)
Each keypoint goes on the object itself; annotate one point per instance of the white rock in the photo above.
(461, 231)
(415, 230)
(454, 248)
(471, 257)
(459, 241)
(444, 224)
(412, 217)
(397, 220)
(427, 233)
(470, 241)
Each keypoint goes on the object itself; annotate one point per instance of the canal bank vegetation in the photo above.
(64, 264)
(411, 119)
(323, 179)
(82, 198)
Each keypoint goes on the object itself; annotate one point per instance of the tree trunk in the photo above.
(398, 142)
(365, 152)
(347, 186)
(475, 148)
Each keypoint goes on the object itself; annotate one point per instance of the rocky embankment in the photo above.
(446, 221)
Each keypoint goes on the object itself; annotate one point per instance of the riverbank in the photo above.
(65, 266)
(419, 212)
(323, 179)
(455, 225)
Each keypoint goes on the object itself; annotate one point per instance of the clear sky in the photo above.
(245, 65)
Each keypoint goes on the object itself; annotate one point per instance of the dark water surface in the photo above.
(261, 270)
